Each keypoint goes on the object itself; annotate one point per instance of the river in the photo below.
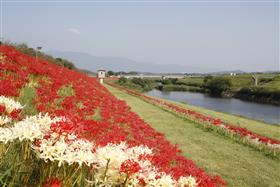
(264, 112)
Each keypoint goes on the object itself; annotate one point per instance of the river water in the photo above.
(264, 112)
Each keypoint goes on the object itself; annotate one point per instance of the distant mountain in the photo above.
(92, 63)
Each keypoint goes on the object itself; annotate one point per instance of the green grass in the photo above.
(63, 92)
(274, 84)
(66, 91)
(237, 164)
(239, 81)
(97, 116)
(27, 94)
(191, 81)
(246, 80)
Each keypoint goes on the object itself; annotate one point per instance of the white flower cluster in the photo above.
(5, 135)
(65, 149)
(10, 104)
(4, 120)
(30, 128)
(112, 156)
(107, 161)
(118, 153)
(154, 178)
(68, 148)
(187, 181)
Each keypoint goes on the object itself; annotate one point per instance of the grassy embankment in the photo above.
(269, 82)
(242, 86)
(237, 164)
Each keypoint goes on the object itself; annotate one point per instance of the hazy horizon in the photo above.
(206, 35)
(156, 68)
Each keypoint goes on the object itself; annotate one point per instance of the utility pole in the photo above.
(1, 40)
(255, 78)
(36, 52)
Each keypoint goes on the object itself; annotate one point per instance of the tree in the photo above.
(144, 83)
(166, 81)
(174, 80)
(217, 86)
(110, 73)
(122, 80)
(59, 59)
(207, 78)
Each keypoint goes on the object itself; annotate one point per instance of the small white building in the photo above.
(232, 74)
(101, 74)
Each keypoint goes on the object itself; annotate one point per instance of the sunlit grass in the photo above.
(27, 94)
(66, 91)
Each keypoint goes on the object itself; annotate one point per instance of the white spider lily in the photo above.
(112, 152)
(163, 181)
(187, 181)
(4, 120)
(31, 128)
(43, 121)
(27, 130)
(10, 104)
(136, 151)
(6, 135)
(57, 149)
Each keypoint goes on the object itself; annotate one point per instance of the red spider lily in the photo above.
(142, 182)
(95, 114)
(130, 167)
(53, 182)
(2, 109)
(15, 114)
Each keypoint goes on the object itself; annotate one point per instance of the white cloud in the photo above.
(74, 31)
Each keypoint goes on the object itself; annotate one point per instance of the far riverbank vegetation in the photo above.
(255, 87)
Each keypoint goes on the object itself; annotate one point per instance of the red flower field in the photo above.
(95, 115)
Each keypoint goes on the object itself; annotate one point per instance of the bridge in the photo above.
(154, 76)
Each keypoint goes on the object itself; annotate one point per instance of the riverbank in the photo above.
(237, 164)
(260, 127)
(240, 86)
(256, 111)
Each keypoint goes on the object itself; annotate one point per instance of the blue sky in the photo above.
(224, 35)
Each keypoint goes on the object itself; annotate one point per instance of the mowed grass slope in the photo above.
(237, 164)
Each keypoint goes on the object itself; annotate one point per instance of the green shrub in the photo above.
(144, 83)
(122, 80)
(218, 86)
(260, 94)
(207, 78)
